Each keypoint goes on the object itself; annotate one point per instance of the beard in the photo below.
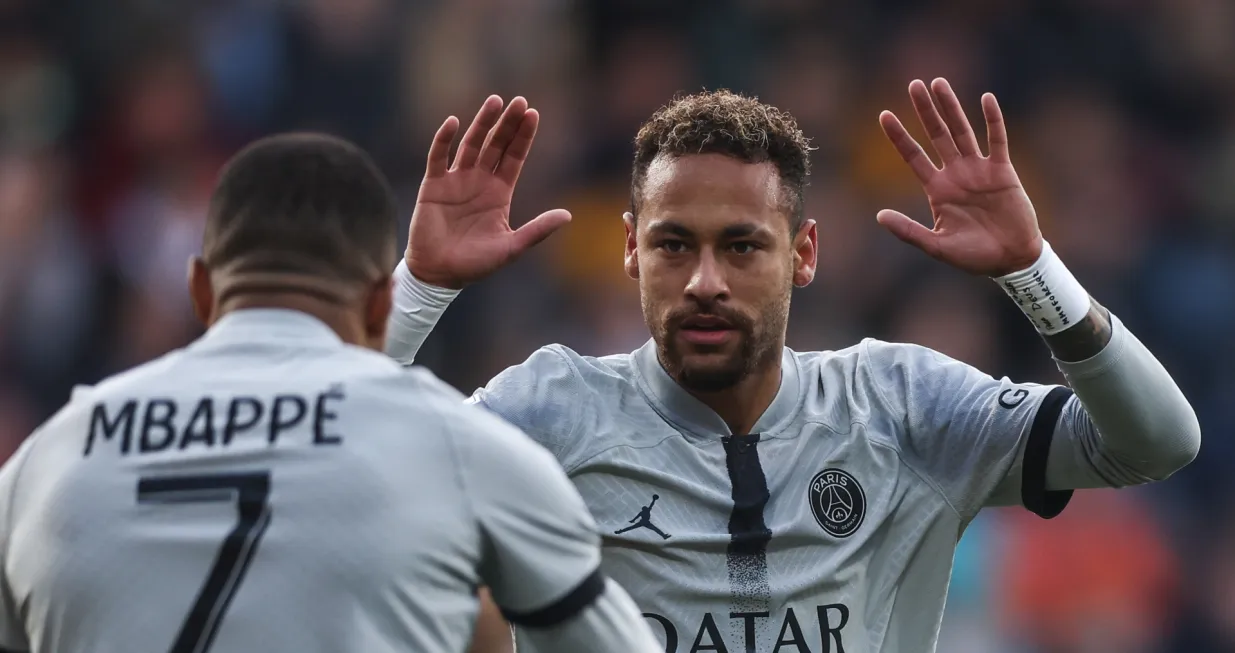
(728, 364)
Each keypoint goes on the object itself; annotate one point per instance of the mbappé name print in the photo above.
(838, 502)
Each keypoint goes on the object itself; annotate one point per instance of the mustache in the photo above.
(736, 319)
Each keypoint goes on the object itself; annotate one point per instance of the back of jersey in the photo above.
(266, 489)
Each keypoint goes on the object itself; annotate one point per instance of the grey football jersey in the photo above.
(829, 528)
(270, 488)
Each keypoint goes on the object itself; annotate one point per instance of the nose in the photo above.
(707, 282)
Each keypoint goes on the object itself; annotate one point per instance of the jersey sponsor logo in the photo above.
(837, 501)
(794, 634)
(644, 520)
(152, 425)
(1013, 398)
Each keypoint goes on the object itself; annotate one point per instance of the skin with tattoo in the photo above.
(1085, 339)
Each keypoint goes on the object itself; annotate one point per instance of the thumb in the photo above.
(909, 230)
(540, 228)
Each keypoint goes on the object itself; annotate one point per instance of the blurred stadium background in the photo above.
(115, 115)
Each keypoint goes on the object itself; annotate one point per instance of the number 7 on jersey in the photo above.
(251, 492)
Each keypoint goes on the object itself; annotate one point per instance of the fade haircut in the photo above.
(302, 204)
(737, 126)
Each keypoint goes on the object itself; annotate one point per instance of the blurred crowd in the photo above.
(115, 116)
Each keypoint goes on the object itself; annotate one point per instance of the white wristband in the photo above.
(1047, 293)
(417, 308)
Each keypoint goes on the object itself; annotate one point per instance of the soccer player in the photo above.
(279, 484)
(792, 501)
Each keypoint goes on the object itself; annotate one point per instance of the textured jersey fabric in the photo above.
(830, 527)
(270, 488)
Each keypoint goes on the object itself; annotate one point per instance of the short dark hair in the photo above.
(735, 125)
(302, 203)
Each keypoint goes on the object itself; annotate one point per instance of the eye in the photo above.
(672, 246)
(742, 248)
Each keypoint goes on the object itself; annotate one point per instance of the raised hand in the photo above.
(984, 222)
(460, 231)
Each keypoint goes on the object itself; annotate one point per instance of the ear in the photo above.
(201, 291)
(378, 305)
(805, 254)
(632, 245)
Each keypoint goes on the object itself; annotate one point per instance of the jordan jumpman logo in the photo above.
(644, 520)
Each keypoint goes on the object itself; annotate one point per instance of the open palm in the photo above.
(460, 230)
(984, 222)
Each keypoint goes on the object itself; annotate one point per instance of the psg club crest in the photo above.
(838, 502)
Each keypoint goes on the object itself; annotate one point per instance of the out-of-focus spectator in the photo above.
(1098, 579)
(47, 302)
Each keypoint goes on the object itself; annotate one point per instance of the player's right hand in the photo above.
(460, 231)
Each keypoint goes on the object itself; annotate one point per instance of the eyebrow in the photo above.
(740, 230)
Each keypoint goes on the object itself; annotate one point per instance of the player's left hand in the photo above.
(984, 222)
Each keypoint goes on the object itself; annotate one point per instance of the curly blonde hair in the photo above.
(735, 125)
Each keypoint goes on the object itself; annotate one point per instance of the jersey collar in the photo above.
(269, 325)
(687, 413)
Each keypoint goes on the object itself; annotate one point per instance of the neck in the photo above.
(340, 319)
(742, 405)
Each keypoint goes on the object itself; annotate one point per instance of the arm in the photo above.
(1085, 339)
(610, 616)
(612, 624)
(1127, 423)
(493, 634)
(541, 548)
(1121, 421)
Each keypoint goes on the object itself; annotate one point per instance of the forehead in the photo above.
(711, 190)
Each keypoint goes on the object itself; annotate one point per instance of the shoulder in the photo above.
(563, 364)
(871, 362)
(900, 355)
(550, 386)
(413, 397)
(871, 381)
(141, 378)
(872, 352)
(885, 367)
(556, 393)
(481, 442)
(150, 377)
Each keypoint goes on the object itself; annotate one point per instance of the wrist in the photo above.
(1031, 256)
(411, 285)
(1047, 293)
(429, 279)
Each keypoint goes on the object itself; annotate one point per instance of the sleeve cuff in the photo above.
(417, 308)
(1034, 495)
(1101, 361)
(565, 608)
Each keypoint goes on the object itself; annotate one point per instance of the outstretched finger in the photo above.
(910, 231)
(520, 146)
(501, 136)
(908, 147)
(954, 116)
(996, 129)
(540, 228)
(439, 150)
(477, 132)
(935, 127)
